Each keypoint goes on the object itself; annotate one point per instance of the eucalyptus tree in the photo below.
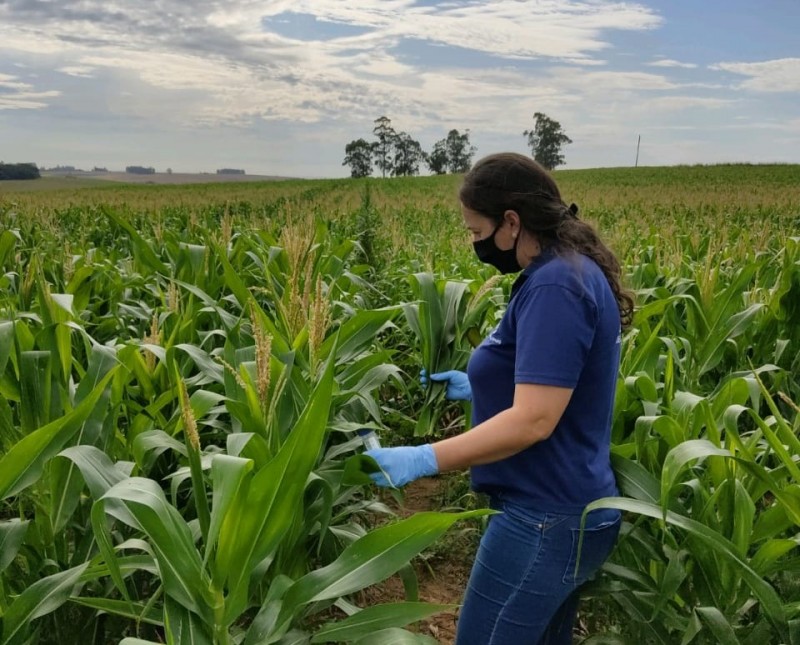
(546, 140)
(437, 158)
(384, 146)
(358, 155)
(408, 154)
(452, 154)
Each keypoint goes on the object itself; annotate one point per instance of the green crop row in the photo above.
(182, 371)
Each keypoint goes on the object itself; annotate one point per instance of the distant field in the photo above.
(645, 195)
(177, 178)
(58, 180)
(47, 183)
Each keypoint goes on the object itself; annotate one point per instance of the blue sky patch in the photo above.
(306, 26)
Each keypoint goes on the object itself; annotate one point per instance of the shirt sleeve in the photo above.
(555, 327)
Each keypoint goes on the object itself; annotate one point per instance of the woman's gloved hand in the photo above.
(403, 464)
(458, 387)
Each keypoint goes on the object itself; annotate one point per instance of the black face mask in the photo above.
(503, 261)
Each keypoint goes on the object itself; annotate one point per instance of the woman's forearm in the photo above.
(505, 434)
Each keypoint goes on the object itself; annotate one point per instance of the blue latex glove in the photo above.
(403, 464)
(458, 387)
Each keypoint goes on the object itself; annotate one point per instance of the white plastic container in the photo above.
(369, 438)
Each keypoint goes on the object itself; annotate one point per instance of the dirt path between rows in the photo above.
(442, 573)
(443, 570)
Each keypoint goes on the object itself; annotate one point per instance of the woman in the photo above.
(542, 387)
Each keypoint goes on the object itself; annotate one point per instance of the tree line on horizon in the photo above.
(393, 153)
(398, 154)
(19, 171)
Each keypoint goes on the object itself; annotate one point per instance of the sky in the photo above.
(279, 87)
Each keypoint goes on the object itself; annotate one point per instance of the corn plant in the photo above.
(706, 468)
(723, 513)
(45, 494)
(448, 320)
(308, 504)
(208, 587)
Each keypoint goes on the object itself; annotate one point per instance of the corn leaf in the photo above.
(65, 481)
(227, 475)
(718, 625)
(24, 463)
(179, 563)
(141, 248)
(357, 334)
(634, 480)
(247, 537)
(6, 343)
(679, 457)
(373, 557)
(717, 544)
(12, 534)
(42, 597)
(142, 612)
(8, 240)
(184, 627)
(98, 471)
(379, 617)
(395, 636)
(36, 388)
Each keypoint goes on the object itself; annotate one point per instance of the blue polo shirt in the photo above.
(562, 328)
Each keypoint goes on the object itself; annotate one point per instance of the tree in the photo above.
(386, 135)
(407, 155)
(358, 155)
(451, 154)
(546, 140)
(459, 151)
(437, 159)
(19, 171)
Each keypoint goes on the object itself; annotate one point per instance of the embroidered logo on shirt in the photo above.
(492, 338)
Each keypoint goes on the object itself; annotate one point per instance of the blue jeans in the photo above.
(523, 589)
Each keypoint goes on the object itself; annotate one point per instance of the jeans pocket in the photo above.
(592, 546)
(533, 519)
(525, 516)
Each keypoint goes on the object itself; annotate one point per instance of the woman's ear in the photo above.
(512, 217)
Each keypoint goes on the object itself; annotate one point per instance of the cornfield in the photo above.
(183, 371)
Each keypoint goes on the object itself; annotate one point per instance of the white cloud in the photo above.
(593, 82)
(780, 75)
(677, 103)
(791, 126)
(224, 65)
(9, 82)
(668, 62)
(507, 28)
(380, 64)
(81, 71)
(18, 95)
(193, 69)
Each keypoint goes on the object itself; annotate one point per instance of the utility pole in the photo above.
(636, 165)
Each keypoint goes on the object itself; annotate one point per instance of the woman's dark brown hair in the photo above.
(510, 181)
